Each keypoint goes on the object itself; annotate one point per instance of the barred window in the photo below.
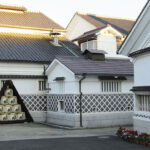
(143, 102)
(41, 85)
(111, 86)
(61, 105)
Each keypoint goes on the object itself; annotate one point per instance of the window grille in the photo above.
(61, 106)
(144, 102)
(42, 85)
(111, 86)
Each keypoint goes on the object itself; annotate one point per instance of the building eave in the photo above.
(119, 51)
(23, 77)
(139, 52)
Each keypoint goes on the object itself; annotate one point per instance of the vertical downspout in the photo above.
(80, 98)
(44, 73)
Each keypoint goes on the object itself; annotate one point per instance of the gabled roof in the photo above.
(21, 18)
(109, 67)
(136, 32)
(122, 25)
(33, 48)
(92, 33)
(88, 34)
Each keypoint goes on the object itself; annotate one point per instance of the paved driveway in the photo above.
(40, 131)
(82, 143)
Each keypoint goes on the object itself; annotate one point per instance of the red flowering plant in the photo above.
(133, 136)
(144, 138)
(120, 131)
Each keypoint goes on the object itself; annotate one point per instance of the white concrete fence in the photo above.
(98, 110)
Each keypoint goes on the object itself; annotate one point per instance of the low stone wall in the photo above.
(91, 120)
(141, 121)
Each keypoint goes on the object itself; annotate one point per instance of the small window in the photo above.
(143, 103)
(61, 105)
(111, 86)
(42, 86)
(2, 83)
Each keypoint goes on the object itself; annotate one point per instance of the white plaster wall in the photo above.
(27, 86)
(77, 27)
(38, 116)
(91, 120)
(21, 69)
(24, 86)
(107, 43)
(90, 85)
(141, 70)
(127, 84)
(69, 82)
(141, 125)
(139, 35)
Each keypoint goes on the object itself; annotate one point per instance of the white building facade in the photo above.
(137, 46)
(106, 101)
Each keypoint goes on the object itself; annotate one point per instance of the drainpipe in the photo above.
(80, 97)
(44, 73)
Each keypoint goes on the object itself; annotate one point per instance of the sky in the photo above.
(61, 11)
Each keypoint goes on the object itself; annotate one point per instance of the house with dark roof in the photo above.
(137, 46)
(90, 91)
(29, 42)
(98, 32)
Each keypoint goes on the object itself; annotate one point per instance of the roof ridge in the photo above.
(103, 16)
(13, 7)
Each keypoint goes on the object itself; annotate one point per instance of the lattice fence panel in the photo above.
(35, 102)
(92, 103)
(52, 103)
(104, 103)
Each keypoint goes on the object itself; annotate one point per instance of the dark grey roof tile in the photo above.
(35, 48)
(80, 65)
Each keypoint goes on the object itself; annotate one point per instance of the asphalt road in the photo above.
(78, 143)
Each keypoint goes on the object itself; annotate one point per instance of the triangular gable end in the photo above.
(9, 84)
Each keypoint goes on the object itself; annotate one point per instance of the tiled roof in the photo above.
(109, 67)
(33, 48)
(89, 33)
(122, 25)
(140, 88)
(26, 19)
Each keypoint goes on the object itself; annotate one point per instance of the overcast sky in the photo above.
(61, 11)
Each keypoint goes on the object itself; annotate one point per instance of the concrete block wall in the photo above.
(91, 120)
(59, 118)
(107, 119)
(141, 125)
(38, 116)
